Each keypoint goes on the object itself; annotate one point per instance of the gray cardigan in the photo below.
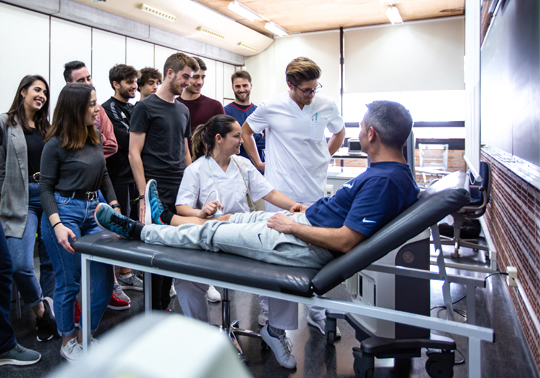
(13, 180)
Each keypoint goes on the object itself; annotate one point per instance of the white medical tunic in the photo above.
(197, 184)
(296, 151)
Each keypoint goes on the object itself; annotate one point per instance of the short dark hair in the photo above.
(200, 62)
(240, 75)
(70, 67)
(148, 73)
(391, 120)
(302, 69)
(122, 72)
(68, 120)
(178, 61)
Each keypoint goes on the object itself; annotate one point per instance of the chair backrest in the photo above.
(477, 195)
(442, 198)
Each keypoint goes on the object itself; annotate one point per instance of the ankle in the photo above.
(275, 332)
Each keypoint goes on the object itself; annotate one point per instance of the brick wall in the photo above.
(513, 219)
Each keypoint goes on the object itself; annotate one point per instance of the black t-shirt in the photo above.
(34, 148)
(118, 164)
(166, 126)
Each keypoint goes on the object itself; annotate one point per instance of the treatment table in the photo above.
(293, 283)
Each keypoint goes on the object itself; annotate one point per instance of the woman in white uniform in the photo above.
(218, 182)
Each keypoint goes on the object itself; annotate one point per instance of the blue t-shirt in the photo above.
(241, 113)
(369, 201)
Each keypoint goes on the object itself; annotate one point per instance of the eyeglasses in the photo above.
(308, 92)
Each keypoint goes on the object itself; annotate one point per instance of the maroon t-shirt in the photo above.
(201, 110)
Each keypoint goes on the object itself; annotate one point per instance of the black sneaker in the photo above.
(110, 220)
(46, 325)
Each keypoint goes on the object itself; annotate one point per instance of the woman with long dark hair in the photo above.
(24, 127)
(72, 171)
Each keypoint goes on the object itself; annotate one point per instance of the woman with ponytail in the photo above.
(217, 182)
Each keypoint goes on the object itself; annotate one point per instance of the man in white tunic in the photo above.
(297, 156)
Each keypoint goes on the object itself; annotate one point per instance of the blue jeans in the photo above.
(7, 333)
(77, 215)
(22, 254)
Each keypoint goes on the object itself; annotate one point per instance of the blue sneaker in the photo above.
(110, 220)
(153, 206)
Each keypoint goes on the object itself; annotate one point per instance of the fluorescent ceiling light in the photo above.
(158, 13)
(393, 15)
(276, 29)
(243, 11)
(246, 46)
(210, 32)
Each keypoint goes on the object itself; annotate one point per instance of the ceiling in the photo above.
(296, 16)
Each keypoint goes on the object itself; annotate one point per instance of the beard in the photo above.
(239, 97)
(125, 93)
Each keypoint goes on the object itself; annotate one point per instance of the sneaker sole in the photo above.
(118, 308)
(70, 360)
(45, 340)
(147, 210)
(127, 287)
(19, 362)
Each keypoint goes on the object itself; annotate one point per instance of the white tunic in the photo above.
(197, 185)
(297, 154)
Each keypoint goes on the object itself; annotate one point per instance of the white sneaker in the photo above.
(72, 350)
(281, 346)
(321, 325)
(263, 317)
(172, 292)
(130, 282)
(212, 294)
(120, 293)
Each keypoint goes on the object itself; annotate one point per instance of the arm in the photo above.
(336, 239)
(334, 143)
(136, 144)
(209, 209)
(250, 147)
(280, 200)
(110, 147)
(187, 153)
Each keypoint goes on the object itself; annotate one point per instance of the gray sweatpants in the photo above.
(246, 234)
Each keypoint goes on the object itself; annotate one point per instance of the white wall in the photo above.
(418, 56)
(24, 44)
(27, 49)
(408, 57)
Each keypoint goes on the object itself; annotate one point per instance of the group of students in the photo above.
(152, 171)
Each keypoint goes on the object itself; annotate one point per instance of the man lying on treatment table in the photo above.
(306, 236)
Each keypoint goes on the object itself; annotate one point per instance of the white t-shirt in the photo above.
(198, 183)
(297, 154)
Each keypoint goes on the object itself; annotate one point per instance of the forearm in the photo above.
(187, 211)
(249, 144)
(334, 143)
(137, 169)
(279, 199)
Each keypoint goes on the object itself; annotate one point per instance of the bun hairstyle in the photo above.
(204, 136)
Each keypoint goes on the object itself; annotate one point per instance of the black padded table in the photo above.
(292, 283)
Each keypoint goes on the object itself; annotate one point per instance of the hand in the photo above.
(141, 211)
(281, 223)
(298, 208)
(209, 209)
(63, 234)
(260, 166)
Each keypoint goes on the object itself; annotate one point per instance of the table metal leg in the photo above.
(147, 293)
(85, 279)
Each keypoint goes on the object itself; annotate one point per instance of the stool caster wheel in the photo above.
(331, 329)
(440, 365)
(363, 365)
